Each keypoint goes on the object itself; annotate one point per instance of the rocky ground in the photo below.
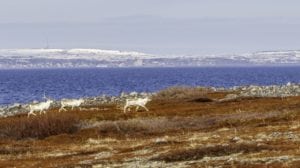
(199, 127)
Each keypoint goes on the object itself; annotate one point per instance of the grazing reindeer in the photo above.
(140, 102)
(41, 107)
(70, 103)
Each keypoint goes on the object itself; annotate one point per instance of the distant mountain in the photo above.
(89, 58)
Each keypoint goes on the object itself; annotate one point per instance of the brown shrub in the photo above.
(150, 126)
(218, 150)
(13, 150)
(182, 92)
(40, 126)
(160, 125)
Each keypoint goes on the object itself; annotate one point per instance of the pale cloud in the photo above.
(96, 10)
(154, 26)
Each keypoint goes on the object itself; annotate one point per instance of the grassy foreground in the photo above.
(184, 128)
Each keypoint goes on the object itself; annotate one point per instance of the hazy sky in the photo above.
(153, 26)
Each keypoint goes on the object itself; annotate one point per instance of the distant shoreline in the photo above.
(145, 67)
(175, 92)
(93, 58)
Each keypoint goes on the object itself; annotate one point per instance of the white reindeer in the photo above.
(139, 102)
(41, 107)
(70, 103)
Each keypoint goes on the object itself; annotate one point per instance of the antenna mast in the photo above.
(47, 43)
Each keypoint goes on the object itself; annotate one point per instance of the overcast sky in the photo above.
(152, 26)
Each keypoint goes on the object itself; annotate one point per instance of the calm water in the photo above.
(27, 85)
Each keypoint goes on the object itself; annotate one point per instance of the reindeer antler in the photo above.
(44, 95)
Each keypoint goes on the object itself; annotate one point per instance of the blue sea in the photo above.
(23, 86)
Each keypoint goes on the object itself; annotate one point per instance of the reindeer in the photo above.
(70, 103)
(139, 102)
(41, 107)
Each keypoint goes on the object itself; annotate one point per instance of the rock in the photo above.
(215, 136)
(235, 139)
(289, 89)
(231, 96)
(161, 141)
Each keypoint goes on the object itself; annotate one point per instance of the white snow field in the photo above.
(89, 58)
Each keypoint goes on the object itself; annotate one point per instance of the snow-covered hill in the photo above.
(88, 58)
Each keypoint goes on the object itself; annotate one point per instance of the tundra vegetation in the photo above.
(184, 127)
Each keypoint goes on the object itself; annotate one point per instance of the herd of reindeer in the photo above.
(42, 107)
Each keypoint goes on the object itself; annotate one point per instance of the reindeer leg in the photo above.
(28, 114)
(31, 113)
(124, 110)
(62, 108)
(137, 108)
(145, 108)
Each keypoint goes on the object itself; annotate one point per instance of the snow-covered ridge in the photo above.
(69, 53)
(89, 58)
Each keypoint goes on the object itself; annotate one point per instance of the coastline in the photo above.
(254, 91)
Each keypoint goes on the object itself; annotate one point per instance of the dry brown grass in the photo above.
(182, 92)
(185, 131)
(163, 125)
(218, 150)
(38, 126)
